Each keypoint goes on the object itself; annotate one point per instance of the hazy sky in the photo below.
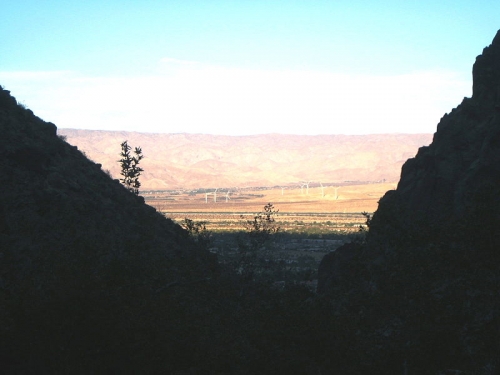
(243, 67)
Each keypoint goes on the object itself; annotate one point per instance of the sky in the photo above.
(243, 67)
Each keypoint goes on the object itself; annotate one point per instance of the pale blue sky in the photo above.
(243, 67)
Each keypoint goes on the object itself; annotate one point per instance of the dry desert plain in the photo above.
(340, 205)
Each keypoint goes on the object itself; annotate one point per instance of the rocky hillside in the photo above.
(457, 177)
(79, 255)
(425, 286)
(207, 161)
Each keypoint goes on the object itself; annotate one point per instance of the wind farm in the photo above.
(311, 202)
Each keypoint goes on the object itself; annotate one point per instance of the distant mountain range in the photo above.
(190, 161)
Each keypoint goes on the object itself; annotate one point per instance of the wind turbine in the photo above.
(214, 194)
(322, 190)
(336, 195)
(227, 196)
(307, 186)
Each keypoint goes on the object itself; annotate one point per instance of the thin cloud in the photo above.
(238, 101)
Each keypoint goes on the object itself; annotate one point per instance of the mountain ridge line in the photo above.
(195, 160)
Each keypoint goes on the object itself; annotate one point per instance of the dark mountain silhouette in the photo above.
(80, 256)
(201, 160)
(425, 287)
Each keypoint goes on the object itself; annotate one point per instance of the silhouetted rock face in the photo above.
(450, 192)
(459, 172)
(424, 286)
(54, 198)
(80, 256)
(335, 267)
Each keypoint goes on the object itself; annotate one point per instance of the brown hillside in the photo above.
(201, 160)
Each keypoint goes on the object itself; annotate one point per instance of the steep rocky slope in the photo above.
(80, 255)
(208, 161)
(424, 287)
(458, 175)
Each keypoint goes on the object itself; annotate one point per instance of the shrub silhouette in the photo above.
(129, 165)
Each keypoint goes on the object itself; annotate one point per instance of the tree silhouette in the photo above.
(130, 169)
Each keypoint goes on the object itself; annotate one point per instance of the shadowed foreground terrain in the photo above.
(92, 280)
(83, 261)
